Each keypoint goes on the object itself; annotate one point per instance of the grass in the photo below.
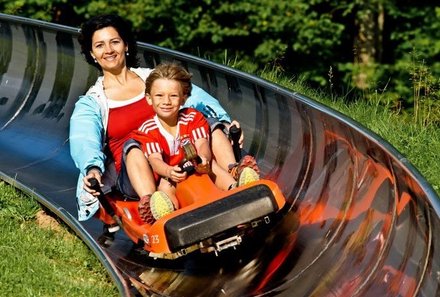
(417, 139)
(41, 259)
(419, 144)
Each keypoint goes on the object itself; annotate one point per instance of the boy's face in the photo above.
(166, 97)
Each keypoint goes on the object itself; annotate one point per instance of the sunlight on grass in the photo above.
(420, 144)
(38, 261)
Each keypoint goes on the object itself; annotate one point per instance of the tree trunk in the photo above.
(368, 42)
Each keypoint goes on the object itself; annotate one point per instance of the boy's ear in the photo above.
(150, 102)
(184, 99)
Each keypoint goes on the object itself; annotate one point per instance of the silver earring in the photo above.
(127, 53)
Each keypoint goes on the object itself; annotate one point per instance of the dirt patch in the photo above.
(48, 222)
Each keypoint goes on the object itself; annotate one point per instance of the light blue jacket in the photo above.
(88, 125)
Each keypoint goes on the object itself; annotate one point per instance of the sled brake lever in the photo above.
(235, 133)
(94, 184)
(190, 156)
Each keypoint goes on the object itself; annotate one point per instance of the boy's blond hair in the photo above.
(172, 71)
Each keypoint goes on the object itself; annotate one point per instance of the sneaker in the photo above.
(245, 162)
(153, 207)
(247, 175)
(144, 209)
(160, 204)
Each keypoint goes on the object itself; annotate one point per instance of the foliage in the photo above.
(304, 38)
(411, 62)
(56, 11)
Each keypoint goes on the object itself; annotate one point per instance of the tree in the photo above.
(368, 45)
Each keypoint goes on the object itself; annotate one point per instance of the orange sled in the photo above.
(209, 219)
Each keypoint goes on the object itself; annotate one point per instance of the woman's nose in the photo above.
(108, 48)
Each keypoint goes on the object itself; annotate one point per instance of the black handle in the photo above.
(190, 156)
(198, 160)
(235, 133)
(190, 169)
(94, 184)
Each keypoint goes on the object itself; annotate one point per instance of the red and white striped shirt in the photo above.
(191, 124)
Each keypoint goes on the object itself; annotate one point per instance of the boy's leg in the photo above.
(136, 174)
(136, 179)
(222, 179)
(170, 190)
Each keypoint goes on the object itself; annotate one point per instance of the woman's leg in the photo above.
(222, 149)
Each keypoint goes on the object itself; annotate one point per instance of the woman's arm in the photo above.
(206, 104)
(86, 135)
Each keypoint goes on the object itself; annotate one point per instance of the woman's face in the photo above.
(108, 49)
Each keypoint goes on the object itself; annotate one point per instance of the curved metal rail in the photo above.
(362, 221)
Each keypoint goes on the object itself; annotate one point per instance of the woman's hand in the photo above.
(92, 173)
(241, 139)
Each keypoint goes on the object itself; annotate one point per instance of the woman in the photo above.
(112, 108)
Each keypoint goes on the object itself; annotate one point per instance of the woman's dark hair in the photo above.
(102, 21)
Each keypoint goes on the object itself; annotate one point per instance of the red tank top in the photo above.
(121, 121)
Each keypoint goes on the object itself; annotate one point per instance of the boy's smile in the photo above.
(166, 97)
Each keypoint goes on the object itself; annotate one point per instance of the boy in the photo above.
(162, 137)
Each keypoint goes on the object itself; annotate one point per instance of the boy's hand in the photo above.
(177, 174)
(203, 167)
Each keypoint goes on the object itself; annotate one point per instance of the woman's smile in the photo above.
(108, 48)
